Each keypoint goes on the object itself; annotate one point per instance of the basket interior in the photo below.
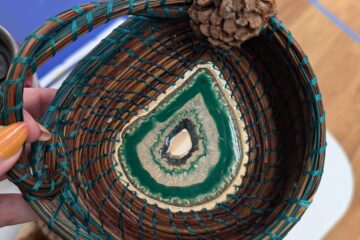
(126, 72)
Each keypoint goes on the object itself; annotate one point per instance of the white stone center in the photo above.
(180, 144)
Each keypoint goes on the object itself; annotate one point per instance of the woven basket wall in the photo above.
(74, 185)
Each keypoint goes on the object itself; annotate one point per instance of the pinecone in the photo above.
(229, 23)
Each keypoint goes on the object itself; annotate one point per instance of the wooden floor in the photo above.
(335, 57)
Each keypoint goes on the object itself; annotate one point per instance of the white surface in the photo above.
(329, 205)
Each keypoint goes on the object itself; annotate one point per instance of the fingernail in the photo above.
(45, 134)
(12, 138)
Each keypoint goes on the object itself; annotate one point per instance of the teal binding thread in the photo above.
(52, 46)
(90, 20)
(79, 10)
(154, 221)
(140, 220)
(110, 9)
(172, 224)
(131, 6)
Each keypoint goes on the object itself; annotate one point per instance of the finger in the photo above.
(32, 231)
(37, 132)
(14, 210)
(36, 100)
(11, 162)
(12, 138)
(7, 163)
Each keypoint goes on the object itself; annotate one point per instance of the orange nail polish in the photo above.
(12, 137)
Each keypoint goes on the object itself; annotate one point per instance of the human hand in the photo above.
(13, 208)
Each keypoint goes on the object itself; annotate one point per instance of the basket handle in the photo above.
(43, 44)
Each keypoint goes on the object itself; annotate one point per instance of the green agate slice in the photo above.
(187, 152)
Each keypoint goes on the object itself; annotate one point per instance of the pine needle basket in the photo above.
(73, 182)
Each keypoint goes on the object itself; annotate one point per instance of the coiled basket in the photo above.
(254, 116)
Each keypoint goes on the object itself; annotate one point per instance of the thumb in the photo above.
(36, 131)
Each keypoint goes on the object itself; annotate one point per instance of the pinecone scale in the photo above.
(229, 23)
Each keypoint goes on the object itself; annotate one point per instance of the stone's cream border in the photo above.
(243, 139)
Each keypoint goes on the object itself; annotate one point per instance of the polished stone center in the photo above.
(180, 144)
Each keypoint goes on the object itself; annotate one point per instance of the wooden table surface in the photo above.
(329, 32)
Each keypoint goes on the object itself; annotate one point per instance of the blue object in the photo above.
(332, 17)
(22, 17)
